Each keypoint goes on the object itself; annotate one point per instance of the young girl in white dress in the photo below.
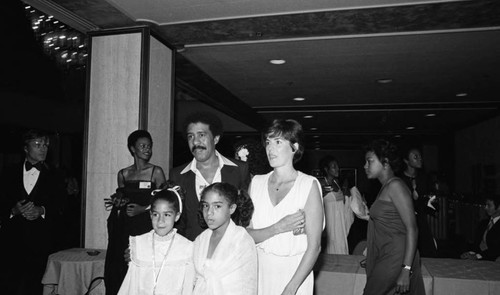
(225, 257)
(161, 260)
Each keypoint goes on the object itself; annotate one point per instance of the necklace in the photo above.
(278, 185)
(156, 276)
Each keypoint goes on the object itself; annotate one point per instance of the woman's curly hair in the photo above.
(244, 205)
(386, 152)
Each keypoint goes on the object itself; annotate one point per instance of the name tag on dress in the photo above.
(145, 184)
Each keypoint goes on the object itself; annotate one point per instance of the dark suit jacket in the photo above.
(492, 240)
(49, 192)
(26, 244)
(188, 224)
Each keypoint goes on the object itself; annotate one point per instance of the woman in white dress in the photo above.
(284, 199)
(338, 212)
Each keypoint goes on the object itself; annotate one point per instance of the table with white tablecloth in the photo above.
(71, 272)
(467, 277)
(343, 275)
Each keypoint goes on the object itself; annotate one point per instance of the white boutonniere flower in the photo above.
(242, 154)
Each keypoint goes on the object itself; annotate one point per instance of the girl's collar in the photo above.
(166, 237)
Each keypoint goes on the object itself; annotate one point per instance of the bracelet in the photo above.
(407, 267)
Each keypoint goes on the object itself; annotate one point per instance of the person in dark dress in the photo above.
(31, 202)
(417, 182)
(392, 262)
(129, 214)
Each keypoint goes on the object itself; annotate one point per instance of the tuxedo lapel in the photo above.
(18, 184)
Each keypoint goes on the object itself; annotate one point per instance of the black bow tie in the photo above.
(29, 166)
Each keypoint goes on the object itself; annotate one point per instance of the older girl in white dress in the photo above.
(224, 254)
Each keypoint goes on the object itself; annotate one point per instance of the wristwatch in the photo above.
(407, 267)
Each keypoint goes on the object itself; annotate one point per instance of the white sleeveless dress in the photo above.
(279, 256)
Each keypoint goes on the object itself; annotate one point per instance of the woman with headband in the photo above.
(161, 260)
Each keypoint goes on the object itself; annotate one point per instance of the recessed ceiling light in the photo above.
(277, 61)
(410, 127)
(430, 115)
(316, 136)
(384, 81)
(317, 148)
(397, 135)
(314, 128)
(308, 117)
(463, 94)
(299, 99)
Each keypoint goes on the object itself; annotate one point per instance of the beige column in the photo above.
(130, 87)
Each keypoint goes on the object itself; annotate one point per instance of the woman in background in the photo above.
(130, 215)
(419, 188)
(338, 213)
(393, 262)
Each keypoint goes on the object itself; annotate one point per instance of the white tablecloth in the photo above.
(70, 272)
(467, 277)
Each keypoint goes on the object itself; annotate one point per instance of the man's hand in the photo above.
(126, 255)
(28, 210)
(34, 213)
(470, 256)
(22, 207)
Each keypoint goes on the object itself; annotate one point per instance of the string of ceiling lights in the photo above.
(67, 46)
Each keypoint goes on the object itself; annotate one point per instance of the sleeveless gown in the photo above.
(280, 255)
(121, 227)
(386, 247)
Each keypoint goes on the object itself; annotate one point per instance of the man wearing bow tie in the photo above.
(32, 197)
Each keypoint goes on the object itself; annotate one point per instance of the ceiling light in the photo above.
(430, 115)
(314, 128)
(384, 81)
(277, 61)
(299, 99)
(316, 136)
(308, 117)
(463, 94)
(410, 127)
(397, 136)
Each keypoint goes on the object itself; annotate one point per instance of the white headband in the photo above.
(175, 190)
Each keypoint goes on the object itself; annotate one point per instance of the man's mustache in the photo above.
(198, 147)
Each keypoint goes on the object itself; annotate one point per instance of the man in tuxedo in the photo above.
(487, 241)
(203, 132)
(31, 199)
